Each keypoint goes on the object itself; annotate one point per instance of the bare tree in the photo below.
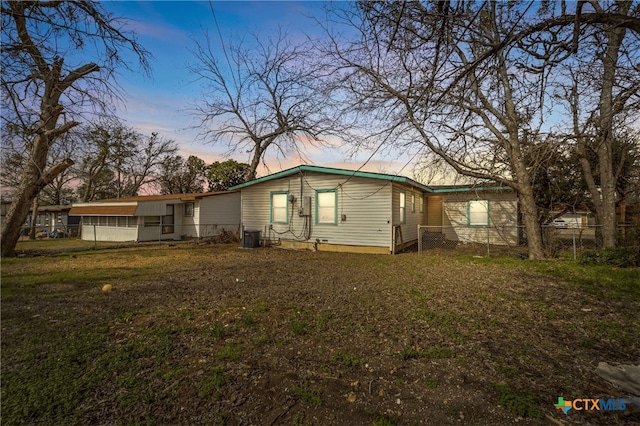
(402, 72)
(47, 86)
(469, 81)
(264, 97)
(116, 160)
(603, 96)
(143, 166)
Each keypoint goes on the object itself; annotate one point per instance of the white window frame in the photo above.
(280, 195)
(403, 207)
(478, 213)
(189, 208)
(322, 218)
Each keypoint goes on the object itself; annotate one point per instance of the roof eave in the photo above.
(340, 172)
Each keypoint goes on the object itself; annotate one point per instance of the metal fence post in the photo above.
(574, 243)
(95, 238)
(488, 240)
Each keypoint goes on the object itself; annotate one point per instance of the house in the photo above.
(345, 210)
(474, 214)
(159, 217)
(53, 220)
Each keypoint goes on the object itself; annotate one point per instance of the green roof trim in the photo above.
(333, 171)
(370, 175)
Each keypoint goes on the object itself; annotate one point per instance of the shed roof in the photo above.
(100, 210)
(181, 197)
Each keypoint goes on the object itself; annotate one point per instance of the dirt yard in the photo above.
(194, 335)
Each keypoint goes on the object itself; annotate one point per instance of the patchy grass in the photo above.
(348, 360)
(179, 341)
(520, 403)
(307, 393)
(433, 353)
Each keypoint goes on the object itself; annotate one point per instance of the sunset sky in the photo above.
(168, 30)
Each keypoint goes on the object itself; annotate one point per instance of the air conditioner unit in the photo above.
(251, 239)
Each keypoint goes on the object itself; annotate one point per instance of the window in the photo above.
(327, 207)
(188, 209)
(413, 202)
(151, 221)
(167, 220)
(421, 203)
(111, 221)
(279, 207)
(478, 213)
(403, 207)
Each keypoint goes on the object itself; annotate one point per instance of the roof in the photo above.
(100, 210)
(54, 208)
(437, 189)
(333, 171)
(126, 206)
(181, 197)
(382, 176)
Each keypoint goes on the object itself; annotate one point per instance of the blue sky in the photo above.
(167, 29)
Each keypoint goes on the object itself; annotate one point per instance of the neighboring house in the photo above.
(53, 220)
(345, 210)
(577, 219)
(159, 217)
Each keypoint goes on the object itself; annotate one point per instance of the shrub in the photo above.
(622, 257)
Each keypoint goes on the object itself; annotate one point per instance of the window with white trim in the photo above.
(327, 207)
(188, 209)
(403, 207)
(279, 207)
(478, 213)
(421, 203)
(413, 202)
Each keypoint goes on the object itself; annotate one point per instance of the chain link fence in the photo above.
(107, 235)
(569, 241)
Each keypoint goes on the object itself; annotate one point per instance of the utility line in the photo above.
(224, 49)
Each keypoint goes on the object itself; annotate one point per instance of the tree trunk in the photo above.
(34, 218)
(22, 201)
(255, 162)
(33, 180)
(528, 208)
(607, 215)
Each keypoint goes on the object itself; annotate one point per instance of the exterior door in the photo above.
(434, 213)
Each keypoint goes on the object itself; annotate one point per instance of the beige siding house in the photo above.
(494, 220)
(324, 208)
(159, 217)
(333, 209)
